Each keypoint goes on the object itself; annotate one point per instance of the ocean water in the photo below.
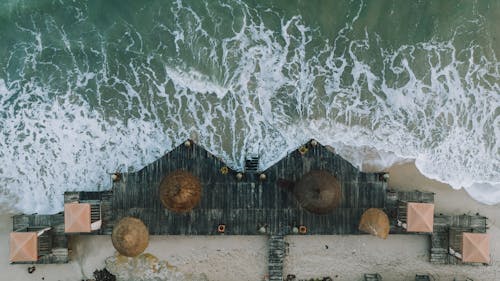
(90, 87)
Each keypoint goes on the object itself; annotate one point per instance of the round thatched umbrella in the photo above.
(130, 237)
(318, 192)
(180, 191)
(375, 222)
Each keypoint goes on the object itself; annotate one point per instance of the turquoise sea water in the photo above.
(91, 87)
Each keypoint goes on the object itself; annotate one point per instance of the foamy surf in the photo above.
(77, 106)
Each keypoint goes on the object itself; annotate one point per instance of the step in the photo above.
(276, 255)
(252, 164)
(95, 212)
(422, 278)
(372, 277)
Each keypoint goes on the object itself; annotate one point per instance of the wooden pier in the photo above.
(249, 203)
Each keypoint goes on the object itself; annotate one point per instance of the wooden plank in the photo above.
(447, 233)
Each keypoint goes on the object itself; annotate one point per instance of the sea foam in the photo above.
(253, 90)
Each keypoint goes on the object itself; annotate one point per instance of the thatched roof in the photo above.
(180, 191)
(318, 192)
(130, 237)
(375, 222)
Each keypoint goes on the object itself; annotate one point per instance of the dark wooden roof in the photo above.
(246, 205)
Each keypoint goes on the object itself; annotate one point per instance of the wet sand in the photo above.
(229, 258)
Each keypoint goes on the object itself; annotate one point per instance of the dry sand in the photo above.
(231, 258)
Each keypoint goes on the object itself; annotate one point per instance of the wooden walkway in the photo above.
(393, 199)
(244, 206)
(275, 257)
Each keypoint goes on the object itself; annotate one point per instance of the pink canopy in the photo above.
(420, 217)
(23, 246)
(476, 247)
(77, 217)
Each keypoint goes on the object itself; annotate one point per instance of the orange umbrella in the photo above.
(180, 191)
(375, 222)
(130, 237)
(23, 246)
(318, 192)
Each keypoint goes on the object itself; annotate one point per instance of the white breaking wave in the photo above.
(256, 90)
(48, 149)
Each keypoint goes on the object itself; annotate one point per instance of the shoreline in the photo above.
(244, 257)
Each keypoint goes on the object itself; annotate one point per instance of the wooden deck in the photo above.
(393, 199)
(105, 197)
(250, 204)
(246, 205)
(440, 238)
(59, 252)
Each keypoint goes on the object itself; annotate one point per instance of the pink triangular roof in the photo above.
(23, 246)
(476, 247)
(76, 217)
(420, 217)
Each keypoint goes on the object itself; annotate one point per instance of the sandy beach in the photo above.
(228, 258)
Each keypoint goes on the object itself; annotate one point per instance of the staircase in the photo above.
(95, 209)
(439, 247)
(439, 256)
(276, 257)
(402, 212)
(101, 209)
(106, 211)
(44, 244)
(60, 255)
(252, 164)
(95, 212)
